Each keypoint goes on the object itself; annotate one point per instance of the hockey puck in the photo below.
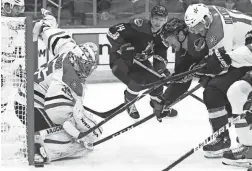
(249, 169)
(39, 165)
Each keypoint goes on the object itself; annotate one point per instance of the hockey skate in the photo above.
(216, 148)
(132, 111)
(161, 111)
(240, 157)
(169, 112)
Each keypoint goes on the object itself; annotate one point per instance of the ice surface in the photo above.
(152, 146)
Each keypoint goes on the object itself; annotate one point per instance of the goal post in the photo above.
(31, 63)
(18, 57)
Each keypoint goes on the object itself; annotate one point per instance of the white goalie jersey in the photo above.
(57, 86)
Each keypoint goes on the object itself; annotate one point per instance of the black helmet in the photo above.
(159, 10)
(173, 27)
(248, 37)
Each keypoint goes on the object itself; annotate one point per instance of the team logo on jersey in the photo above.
(67, 91)
(76, 86)
(212, 40)
(149, 49)
(199, 44)
(138, 22)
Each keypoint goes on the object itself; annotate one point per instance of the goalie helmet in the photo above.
(248, 38)
(173, 27)
(10, 5)
(83, 59)
(196, 13)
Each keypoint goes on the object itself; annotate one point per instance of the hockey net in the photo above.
(14, 116)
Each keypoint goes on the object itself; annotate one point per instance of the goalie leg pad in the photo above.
(58, 144)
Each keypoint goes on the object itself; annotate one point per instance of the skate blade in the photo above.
(237, 163)
(216, 154)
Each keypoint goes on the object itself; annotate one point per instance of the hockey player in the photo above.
(240, 97)
(58, 95)
(224, 30)
(12, 8)
(139, 40)
(176, 34)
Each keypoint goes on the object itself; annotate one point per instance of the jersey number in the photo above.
(225, 14)
(43, 72)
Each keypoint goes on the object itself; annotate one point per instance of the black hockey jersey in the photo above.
(138, 33)
(185, 58)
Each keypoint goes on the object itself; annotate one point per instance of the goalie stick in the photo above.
(103, 114)
(206, 141)
(146, 118)
(151, 87)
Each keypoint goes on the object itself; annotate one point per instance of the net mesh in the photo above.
(13, 78)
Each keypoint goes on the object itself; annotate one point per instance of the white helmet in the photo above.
(195, 14)
(83, 59)
(12, 3)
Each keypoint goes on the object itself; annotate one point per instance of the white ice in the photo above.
(152, 146)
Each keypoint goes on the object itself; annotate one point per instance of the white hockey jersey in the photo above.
(242, 56)
(55, 82)
(228, 29)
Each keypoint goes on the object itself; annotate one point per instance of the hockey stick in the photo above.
(197, 98)
(146, 118)
(160, 76)
(107, 113)
(103, 114)
(151, 87)
(206, 141)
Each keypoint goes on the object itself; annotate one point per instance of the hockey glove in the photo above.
(217, 63)
(189, 77)
(204, 80)
(164, 72)
(141, 57)
(127, 52)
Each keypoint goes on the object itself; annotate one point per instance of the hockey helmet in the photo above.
(18, 3)
(173, 27)
(159, 10)
(83, 59)
(196, 13)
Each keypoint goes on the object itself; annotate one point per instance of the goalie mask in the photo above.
(12, 8)
(83, 59)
